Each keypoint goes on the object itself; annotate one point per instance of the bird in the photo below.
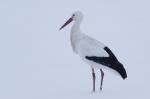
(92, 51)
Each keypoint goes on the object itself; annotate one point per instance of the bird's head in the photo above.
(76, 16)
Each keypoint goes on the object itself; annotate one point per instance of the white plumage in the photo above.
(95, 53)
(82, 44)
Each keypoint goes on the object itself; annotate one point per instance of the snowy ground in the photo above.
(37, 62)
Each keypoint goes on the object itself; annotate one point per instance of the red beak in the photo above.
(65, 24)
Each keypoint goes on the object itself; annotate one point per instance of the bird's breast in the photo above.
(75, 41)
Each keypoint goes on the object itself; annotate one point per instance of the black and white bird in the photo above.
(93, 52)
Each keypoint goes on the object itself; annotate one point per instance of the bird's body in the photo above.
(93, 52)
(83, 45)
(86, 46)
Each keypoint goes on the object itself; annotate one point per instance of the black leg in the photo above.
(93, 75)
(102, 76)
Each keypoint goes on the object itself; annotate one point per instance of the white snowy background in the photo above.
(37, 62)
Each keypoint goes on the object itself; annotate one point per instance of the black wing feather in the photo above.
(111, 62)
(110, 54)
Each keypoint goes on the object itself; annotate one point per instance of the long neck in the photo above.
(75, 34)
(76, 27)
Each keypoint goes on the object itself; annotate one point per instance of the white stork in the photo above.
(93, 52)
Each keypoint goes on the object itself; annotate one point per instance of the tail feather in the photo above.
(117, 66)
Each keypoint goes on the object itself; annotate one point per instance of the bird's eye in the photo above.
(73, 15)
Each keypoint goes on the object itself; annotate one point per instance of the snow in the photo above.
(36, 59)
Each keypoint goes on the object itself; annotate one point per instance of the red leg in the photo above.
(102, 76)
(93, 75)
